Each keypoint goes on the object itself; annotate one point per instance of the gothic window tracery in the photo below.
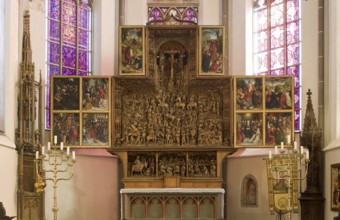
(277, 43)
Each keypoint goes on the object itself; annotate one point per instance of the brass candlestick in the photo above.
(60, 163)
(287, 167)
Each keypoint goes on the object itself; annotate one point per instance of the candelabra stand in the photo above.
(61, 166)
(286, 167)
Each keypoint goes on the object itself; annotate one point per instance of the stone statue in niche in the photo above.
(249, 191)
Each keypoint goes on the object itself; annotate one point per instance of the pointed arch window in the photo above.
(69, 36)
(277, 42)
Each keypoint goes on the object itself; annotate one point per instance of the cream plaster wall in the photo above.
(92, 193)
(239, 165)
(332, 94)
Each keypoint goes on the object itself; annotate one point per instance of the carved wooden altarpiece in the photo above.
(171, 128)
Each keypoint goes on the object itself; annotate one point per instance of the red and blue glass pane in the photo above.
(54, 9)
(293, 10)
(189, 15)
(68, 72)
(69, 35)
(277, 72)
(54, 30)
(83, 60)
(83, 39)
(261, 21)
(277, 37)
(69, 57)
(69, 12)
(261, 43)
(276, 15)
(293, 32)
(261, 62)
(84, 18)
(54, 53)
(260, 4)
(277, 58)
(293, 54)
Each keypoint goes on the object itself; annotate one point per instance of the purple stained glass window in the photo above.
(68, 31)
(158, 14)
(54, 54)
(69, 35)
(277, 42)
(54, 30)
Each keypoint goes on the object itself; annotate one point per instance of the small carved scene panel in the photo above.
(141, 164)
(66, 127)
(65, 93)
(96, 94)
(202, 164)
(95, 129)
(172, 164)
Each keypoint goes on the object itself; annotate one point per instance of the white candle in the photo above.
(73, 155)
(270, 155)
(48, 146)
(37, 155)
(288, 139)
(301, 149)
(307, 154)
(55, 139)
(281, 145)
(68, 150)
(42, 150)
(276, 151)
(61, 145)
(295, 145)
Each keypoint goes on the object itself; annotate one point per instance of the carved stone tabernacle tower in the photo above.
(28, 134)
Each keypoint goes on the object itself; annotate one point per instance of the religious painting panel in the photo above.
(248, 93)
(141, 164)
(279, 128)
(202, 164)
(211, 50)
(66, 126)
(248, 129)
(95, 130)
(131, 50)
(65, 93)
(96, 93)
(335, 187)
(279, 93)
(81, 111)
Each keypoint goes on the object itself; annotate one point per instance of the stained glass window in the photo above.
(277, 42)
(68, 41)
(172, 15)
